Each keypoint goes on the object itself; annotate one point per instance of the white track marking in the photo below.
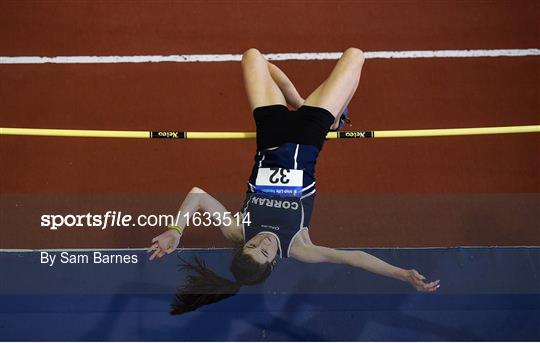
(271, 56)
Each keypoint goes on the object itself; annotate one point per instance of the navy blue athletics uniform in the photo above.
(281, 188)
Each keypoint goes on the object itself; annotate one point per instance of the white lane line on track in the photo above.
(271, 56)
(195, 249)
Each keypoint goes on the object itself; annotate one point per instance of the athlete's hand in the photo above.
(164, 243)
(418, 281)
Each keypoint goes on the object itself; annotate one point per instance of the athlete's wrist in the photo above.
(401, 274)
(177, 230)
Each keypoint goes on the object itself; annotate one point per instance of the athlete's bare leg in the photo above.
(335, 93)
(266, 84)
(289, 91)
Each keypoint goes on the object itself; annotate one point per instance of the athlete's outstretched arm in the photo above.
(196, 200)
(314, 254)
(290, 93)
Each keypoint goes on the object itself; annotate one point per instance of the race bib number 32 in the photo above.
(279, 181)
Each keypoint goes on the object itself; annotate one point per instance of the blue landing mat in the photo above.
(486, 294)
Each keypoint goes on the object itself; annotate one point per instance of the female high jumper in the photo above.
(281, 188)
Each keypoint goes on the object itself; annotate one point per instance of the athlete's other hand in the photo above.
(418, 281)
(164, 244)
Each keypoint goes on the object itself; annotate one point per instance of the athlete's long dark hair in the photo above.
(203, 286)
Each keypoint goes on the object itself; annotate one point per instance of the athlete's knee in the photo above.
(251, 55)
(354, 55)
(197, 190)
